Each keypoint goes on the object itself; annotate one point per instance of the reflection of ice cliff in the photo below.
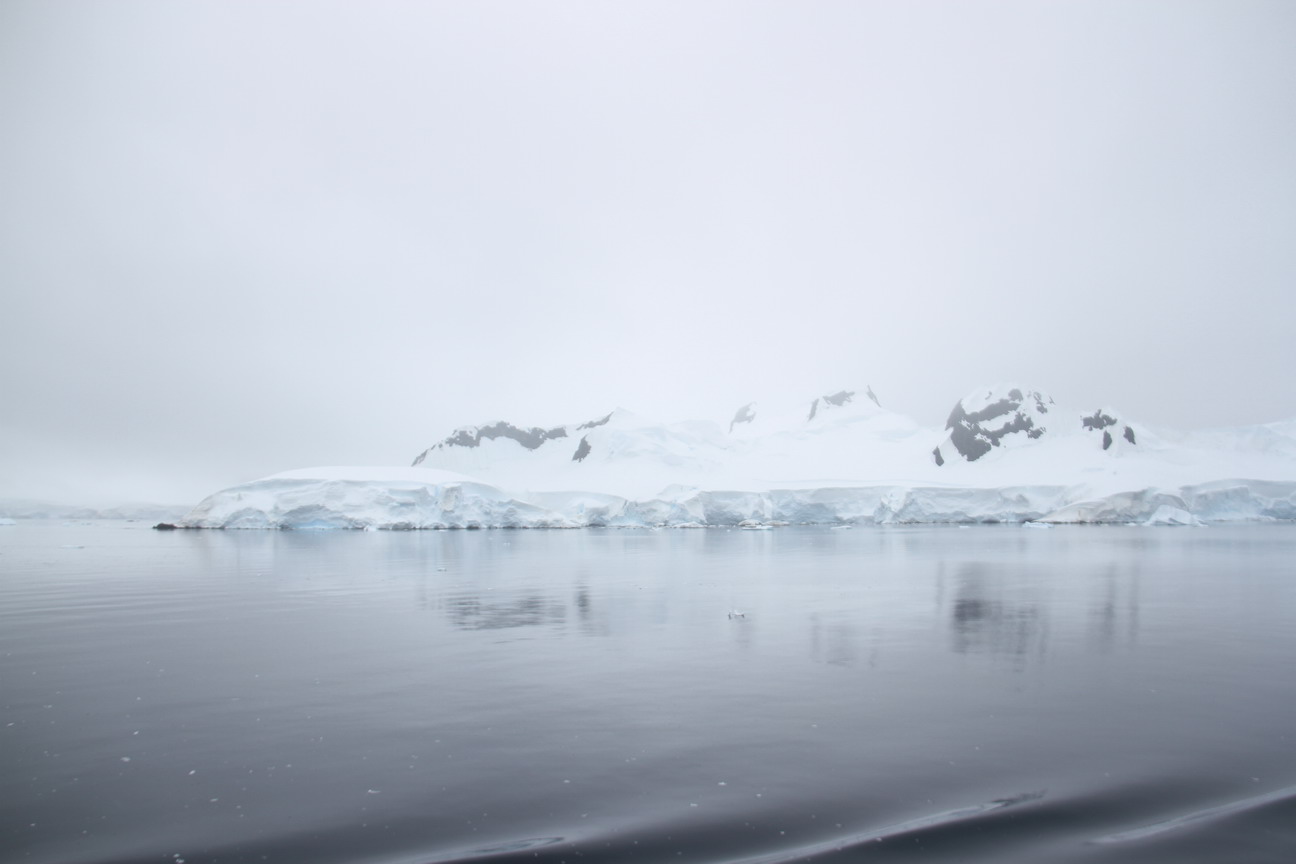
(1007, 454)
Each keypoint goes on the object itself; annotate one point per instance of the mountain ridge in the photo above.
(1006, 453)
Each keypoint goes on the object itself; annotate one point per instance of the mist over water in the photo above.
(923, 693)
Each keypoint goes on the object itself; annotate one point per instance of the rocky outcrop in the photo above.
(988, 419)
(745, 414)
(1104, 421)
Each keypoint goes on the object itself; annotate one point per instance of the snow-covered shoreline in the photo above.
(341, 499)
(1007, 454)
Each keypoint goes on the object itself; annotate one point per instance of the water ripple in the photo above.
(1208, 814)
(921, 823)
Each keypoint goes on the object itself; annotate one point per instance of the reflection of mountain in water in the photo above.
(996, 627)
(1114, 598)
(472, 612)
(593, 620)
(1013, 615)
(985, 620)
(833, 642)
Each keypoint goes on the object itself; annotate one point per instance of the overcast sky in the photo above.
(242, 237)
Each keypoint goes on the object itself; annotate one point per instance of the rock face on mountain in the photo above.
(840, 399)
(1007, 416)
(745, 414)
(1106, 423)
(530, 438)
(993, 418)
(756, 419)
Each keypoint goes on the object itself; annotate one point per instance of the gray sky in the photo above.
(243, 237)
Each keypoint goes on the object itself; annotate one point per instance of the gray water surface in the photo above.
(996, 693)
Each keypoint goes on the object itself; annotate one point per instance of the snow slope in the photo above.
(843, 436)
(1007, 454)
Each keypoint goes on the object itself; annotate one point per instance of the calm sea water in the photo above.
(888, 694)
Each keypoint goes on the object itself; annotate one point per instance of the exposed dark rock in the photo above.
(528, 438)
(973, 433)
(1107, 423)
(1098, 420)
(582, 449)
(991, 411)
(838, 399)
(869, 392)
(745, 414)
(967, 442)
(165, 526)
(936, 454)
(593, 424)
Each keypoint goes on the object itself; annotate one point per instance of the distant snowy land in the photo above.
(1006, 454)
(25, 508)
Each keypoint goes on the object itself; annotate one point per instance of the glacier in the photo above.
(1008, 454)
(329, 498)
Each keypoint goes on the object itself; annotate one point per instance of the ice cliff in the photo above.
(327, 498)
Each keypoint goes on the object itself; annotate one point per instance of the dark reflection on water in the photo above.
(930, 693)
(473, 612)
(982, 619)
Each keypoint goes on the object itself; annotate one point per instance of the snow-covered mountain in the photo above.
(625, 436)
(26, 508)
(1009, 416)
(816, 438)
(758, 418)
(619, 451)
(1007, 453)
(995, 417)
